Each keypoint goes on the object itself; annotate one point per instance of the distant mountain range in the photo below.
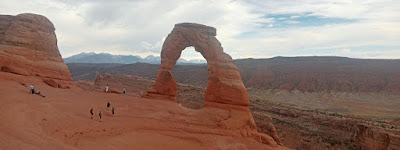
(102, 58)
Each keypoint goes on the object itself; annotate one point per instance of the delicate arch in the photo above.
(224, 83)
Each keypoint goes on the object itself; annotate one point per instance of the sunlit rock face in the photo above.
(28, 46)
(224, 82)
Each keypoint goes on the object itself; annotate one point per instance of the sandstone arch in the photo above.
(224, 82)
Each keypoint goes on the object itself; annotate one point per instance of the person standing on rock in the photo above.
(100, 115)
(91, 113)
(106, 88)
(32, 91)
(112, 110)
(124, 90)
(108, 105)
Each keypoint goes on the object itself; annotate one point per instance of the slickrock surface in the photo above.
(61, 120)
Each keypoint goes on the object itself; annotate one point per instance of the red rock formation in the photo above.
(51, 82)
(225, 88)
(57, 83)
(224, 82)
(266, 126)
(102, 81)
(28, 46)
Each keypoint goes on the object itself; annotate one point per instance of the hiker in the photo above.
(100, 115)
(91, 113)
(107, 88)
(32, 91)
(108, 105)
(112, 110)
(124, 90)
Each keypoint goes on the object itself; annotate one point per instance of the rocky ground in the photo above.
(61, 120)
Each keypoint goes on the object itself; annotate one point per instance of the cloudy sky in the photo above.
(246, 28)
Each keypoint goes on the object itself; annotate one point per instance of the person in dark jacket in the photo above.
(100, 115)
(91, 113)
(32, 89)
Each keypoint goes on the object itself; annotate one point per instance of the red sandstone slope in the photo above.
(62, 121)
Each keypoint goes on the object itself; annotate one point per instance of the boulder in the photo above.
(107, 79)
(63, 86)
(51, 83)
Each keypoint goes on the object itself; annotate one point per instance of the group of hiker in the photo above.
(106, 90)
(108, 106)
(33, 91)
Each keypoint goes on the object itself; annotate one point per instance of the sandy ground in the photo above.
(62, 120)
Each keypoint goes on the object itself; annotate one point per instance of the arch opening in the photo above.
(191, 77)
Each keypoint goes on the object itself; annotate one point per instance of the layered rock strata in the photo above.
(28, 46)
(224, 82)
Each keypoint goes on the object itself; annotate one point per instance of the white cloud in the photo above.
(139, 27)
(290, 41)
(294, 17)
(345, 51)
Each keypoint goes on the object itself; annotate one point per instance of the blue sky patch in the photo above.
(301, 20)
(282, 21)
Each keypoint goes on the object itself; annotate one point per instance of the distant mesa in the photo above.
(28, 46)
